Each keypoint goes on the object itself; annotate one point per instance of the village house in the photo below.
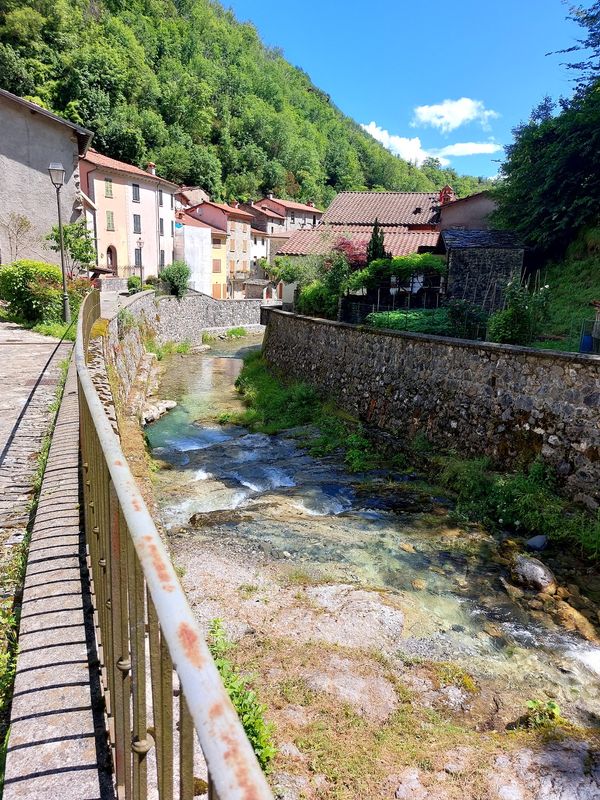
(131, 214)
(203, 248)
(31, 138)
(277, 219)
(235, 223)
(469, 213)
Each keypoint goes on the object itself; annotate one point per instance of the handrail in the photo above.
(127, 554)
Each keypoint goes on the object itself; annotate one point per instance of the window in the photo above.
(314, 220)
(137, 256)
(293, 217)
(160, 197)
(172, 228)
(245, 245)
(262, 241)
(231, 265)
(216, 265)
(232, 243)
(162, 259)
(244, 266)
(137, 223)
(255, 241)
(216, 242)
(108, 187)
(110, 221)
(135, 188)
(161, 226)
(171, 196)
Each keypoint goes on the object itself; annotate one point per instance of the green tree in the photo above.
(376, 247)
(79, 247)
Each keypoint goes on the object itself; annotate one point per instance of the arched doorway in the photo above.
(111, 259)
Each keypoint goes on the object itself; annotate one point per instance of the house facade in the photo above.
(193, 244)
(235, 223)
(469, 213)
(131, 214)
(31, 138)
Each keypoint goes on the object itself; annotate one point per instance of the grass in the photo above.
(236, 333)
(56, 329)
(525, 501)
(574, 282)
(167, 349)
(420, 320)
(207, 338)
(13, 576)
(273, 406)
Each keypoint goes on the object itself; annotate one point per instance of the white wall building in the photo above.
(193, 244)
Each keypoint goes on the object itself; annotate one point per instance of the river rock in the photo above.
(537, 543)
(532, 573)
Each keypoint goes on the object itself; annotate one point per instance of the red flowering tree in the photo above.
(355, 251)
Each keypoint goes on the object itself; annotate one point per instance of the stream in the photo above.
(268, 502)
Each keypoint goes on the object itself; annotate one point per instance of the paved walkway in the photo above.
(29, 374)
(57, 745)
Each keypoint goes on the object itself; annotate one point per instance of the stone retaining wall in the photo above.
(186, 319)
(510, 403)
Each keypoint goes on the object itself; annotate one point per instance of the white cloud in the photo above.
(451, 114)
(408, 149)
(412, 149)
(468, 149)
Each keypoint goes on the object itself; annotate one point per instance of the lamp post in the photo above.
(140, 244)
(57, 176)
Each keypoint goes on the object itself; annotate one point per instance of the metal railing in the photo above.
(160, 682)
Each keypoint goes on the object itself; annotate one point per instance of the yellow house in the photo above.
(219, 263)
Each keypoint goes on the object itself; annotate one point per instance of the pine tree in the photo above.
(376, 247)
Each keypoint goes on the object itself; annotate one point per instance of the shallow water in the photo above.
(312, 513)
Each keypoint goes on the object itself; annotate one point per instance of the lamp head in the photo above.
(57, 174)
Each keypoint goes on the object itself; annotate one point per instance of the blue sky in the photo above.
(438, 77)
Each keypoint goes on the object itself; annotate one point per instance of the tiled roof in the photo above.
(389, 208)
(100, 160)
(188, 219)
(291, 204)
(398, 242)
(268, 212)
(238, 212)
(497, 240)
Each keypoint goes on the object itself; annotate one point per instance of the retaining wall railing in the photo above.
(163, 693)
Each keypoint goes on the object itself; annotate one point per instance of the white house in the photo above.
(193, 244)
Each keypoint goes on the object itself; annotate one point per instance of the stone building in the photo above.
(30, 139)
(480, 264)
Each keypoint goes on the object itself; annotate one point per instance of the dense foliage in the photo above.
(183, 83)
(79, 249)
(401, 267)
(551, 185)
(520, 320)
(457, 318)
(176, 277)
(33, 290)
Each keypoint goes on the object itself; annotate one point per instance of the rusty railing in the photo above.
(168, 713)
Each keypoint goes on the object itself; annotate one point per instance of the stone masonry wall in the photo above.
(480, 275)
(124, 341)
(509, 403)
(186, 319)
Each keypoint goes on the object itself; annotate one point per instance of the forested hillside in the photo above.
(184, 84)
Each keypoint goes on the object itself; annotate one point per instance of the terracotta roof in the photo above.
(227, 209)
(399, 242)
(188, 219)
(497, 240)
(389, 208)
(84, 137)
(268, 212)
(291, 204)
(100, 160)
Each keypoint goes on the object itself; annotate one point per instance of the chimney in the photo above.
(447, 195)
(251, 202)
(311, 203)
(270, 195)
(151, 168)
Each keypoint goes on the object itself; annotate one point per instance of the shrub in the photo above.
(421, 320)
(467, 320)
(520, 321)
(507, 327)
(21, 286)
(250, 711)
(176, 276)
(317, 300)
(152, 280)
(134, 284)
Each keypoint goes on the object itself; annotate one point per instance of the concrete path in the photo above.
(29, 374)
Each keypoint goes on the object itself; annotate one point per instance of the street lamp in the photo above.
(57, 176)
(140, 244)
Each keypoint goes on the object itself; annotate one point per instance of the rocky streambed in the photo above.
(395, 650)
